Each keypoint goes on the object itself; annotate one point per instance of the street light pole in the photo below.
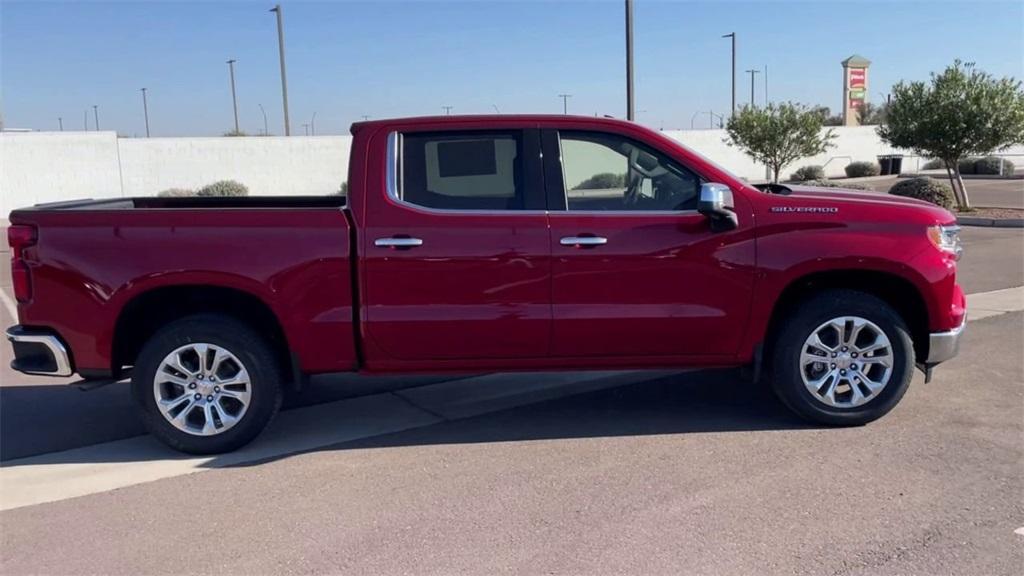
(234, 99)
(629, 61)
(306, 127)
(447, 110)
(85, 119)
(733, 36)
(266, 132)
(96, 113)
(565, 102)
(284, 77)
(60, 121)
(312, 124)
(145, 111)
(752, 72)
(765, 84)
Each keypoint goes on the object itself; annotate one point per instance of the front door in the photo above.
(636, 271)
(457, 255)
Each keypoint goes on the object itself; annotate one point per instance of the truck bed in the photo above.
(195, 202)
(96, 259)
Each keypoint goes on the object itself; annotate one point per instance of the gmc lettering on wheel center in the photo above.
(487, 243)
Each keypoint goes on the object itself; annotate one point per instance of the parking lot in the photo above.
(665, 472)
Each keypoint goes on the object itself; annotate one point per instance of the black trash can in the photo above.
(897, 164)
(885, 163)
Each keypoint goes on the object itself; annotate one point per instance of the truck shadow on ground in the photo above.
(692, 402)
(708, 401)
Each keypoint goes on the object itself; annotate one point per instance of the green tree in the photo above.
(961, 112)
(870, 114)
(778, 134)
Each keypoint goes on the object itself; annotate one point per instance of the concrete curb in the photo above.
(990, 222)
(1014, 176)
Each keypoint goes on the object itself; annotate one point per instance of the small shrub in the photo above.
(602, 181)
(934, 164)
(224, 188)
(823, 183)
(861, 169)
(806, 173)
(343, 189)
(176, 193)
(968, 166)
(990, 165)
(924, 188)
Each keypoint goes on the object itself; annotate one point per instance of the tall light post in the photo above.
(284, 77)
(447, 110)
(565, 102)
(85, 119)
(266, 131)
(312, 124)
(629, 61)
(733, 36)
(145, 110)
(306, 128)
(96, 113)
(752, 72)
(60, 122)
(765, 84)
(234, 99)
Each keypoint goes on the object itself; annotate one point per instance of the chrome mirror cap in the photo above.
(716, 203)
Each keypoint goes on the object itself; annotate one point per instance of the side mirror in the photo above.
(717, 205)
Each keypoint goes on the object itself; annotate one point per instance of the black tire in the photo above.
(785, 369)
(264, 370)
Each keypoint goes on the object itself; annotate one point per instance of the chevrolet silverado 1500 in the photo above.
(487, 243)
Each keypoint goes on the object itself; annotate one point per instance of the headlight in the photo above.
(947, 239)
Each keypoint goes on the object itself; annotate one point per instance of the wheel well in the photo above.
(893, 290)
(150, 311)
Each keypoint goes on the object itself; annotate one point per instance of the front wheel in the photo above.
(845, 358)
(207, 384)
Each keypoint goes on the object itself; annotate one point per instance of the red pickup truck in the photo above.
(488, 243)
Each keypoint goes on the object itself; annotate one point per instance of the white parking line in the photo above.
(9, 304)
(108, 466)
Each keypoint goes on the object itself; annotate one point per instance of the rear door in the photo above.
(456, 250)
(636, 270)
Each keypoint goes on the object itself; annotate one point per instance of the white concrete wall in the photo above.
(52, 166)
(852, 144)
(271, 165)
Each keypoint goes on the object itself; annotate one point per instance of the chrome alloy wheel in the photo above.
(846, 362)
(202, 389)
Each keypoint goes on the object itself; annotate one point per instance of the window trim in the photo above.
(554, 170)
(530, 138)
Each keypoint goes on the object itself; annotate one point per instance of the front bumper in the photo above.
(39, 352)
(944, 345)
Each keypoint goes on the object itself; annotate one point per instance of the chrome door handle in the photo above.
(584, 241)
(398, 242)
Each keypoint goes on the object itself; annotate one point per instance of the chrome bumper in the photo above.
(37, 352)
(944, 345)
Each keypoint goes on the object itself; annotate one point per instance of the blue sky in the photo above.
(383, 59)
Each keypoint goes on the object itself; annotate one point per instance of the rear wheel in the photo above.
(207, 384)
(844, 358)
